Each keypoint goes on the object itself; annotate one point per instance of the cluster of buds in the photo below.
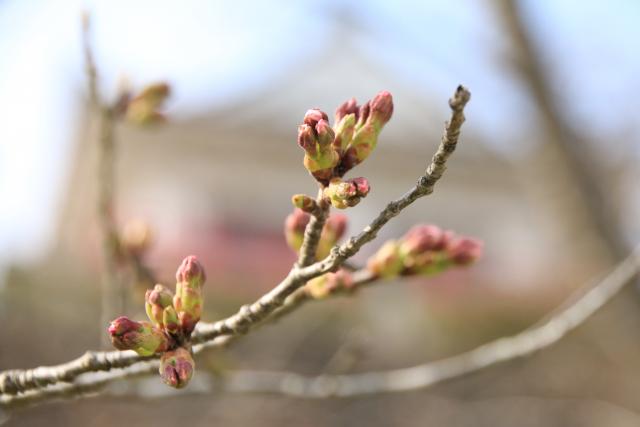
(344, 194)
(144, 108)
(333, 230)
(331, 152)
(172, 320)
(424, 250)
(329, 284)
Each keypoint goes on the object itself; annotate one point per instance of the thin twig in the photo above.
(111, 290)
(560, 323)
(21, 381)
(313, 231)
(583, 304)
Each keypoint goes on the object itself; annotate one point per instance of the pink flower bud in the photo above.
(307, 139)
(332, 232)
(191, 272)
(313, 116)
(387, 262)
(294, 226)
(464, 250)
(362, 186)
(325, 133)
(382, 108)
(344, 194)
(422, 238)
(177, 367)
(142, 337)
(363, 114)
(336, 226)
(348, 107)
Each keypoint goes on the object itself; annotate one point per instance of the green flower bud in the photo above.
(170, 320)
(304, 202)
(141, 337)
(156, 300)
(344, 194)
(344, 132)
(371, 119)
(294, 226)
(177, 367)
(388, 261)
(188, 300)
(323, 286)
(316, 137)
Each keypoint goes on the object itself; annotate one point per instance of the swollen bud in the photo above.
(388, 261)
(143, 108)
(294, 226)
(188, 300)
(371, 119)
(177, 367)
(332, 232)
(464, 250)
(304, 202)
(327, 284)
(191, 272)
(344, 194)
(141, 337)
(316, 137)
(156, 300)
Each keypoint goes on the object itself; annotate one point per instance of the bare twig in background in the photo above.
(31, 385)
(581, 180)
(112, 292)
(559, 323)
(587, 301)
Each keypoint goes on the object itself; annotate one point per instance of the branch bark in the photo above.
(17, 385)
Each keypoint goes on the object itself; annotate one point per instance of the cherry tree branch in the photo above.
(570, 315)
(27, 384)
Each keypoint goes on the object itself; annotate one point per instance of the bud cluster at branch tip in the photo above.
(344, 194)
(332, 151)
(424, 250)
(144, 108)
(173, 319)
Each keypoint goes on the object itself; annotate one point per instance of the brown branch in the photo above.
(560, 322)
(22, 381)
(578, 308)
(313, 231)
(585, 181)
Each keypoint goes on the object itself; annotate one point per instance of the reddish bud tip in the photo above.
(313, 116)
(191, 271)
(362, 186)
(177, 367)
(348, 107)
(464, 250)
(307, 139)
(325, 133)
(422, 238)
(382, 107)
